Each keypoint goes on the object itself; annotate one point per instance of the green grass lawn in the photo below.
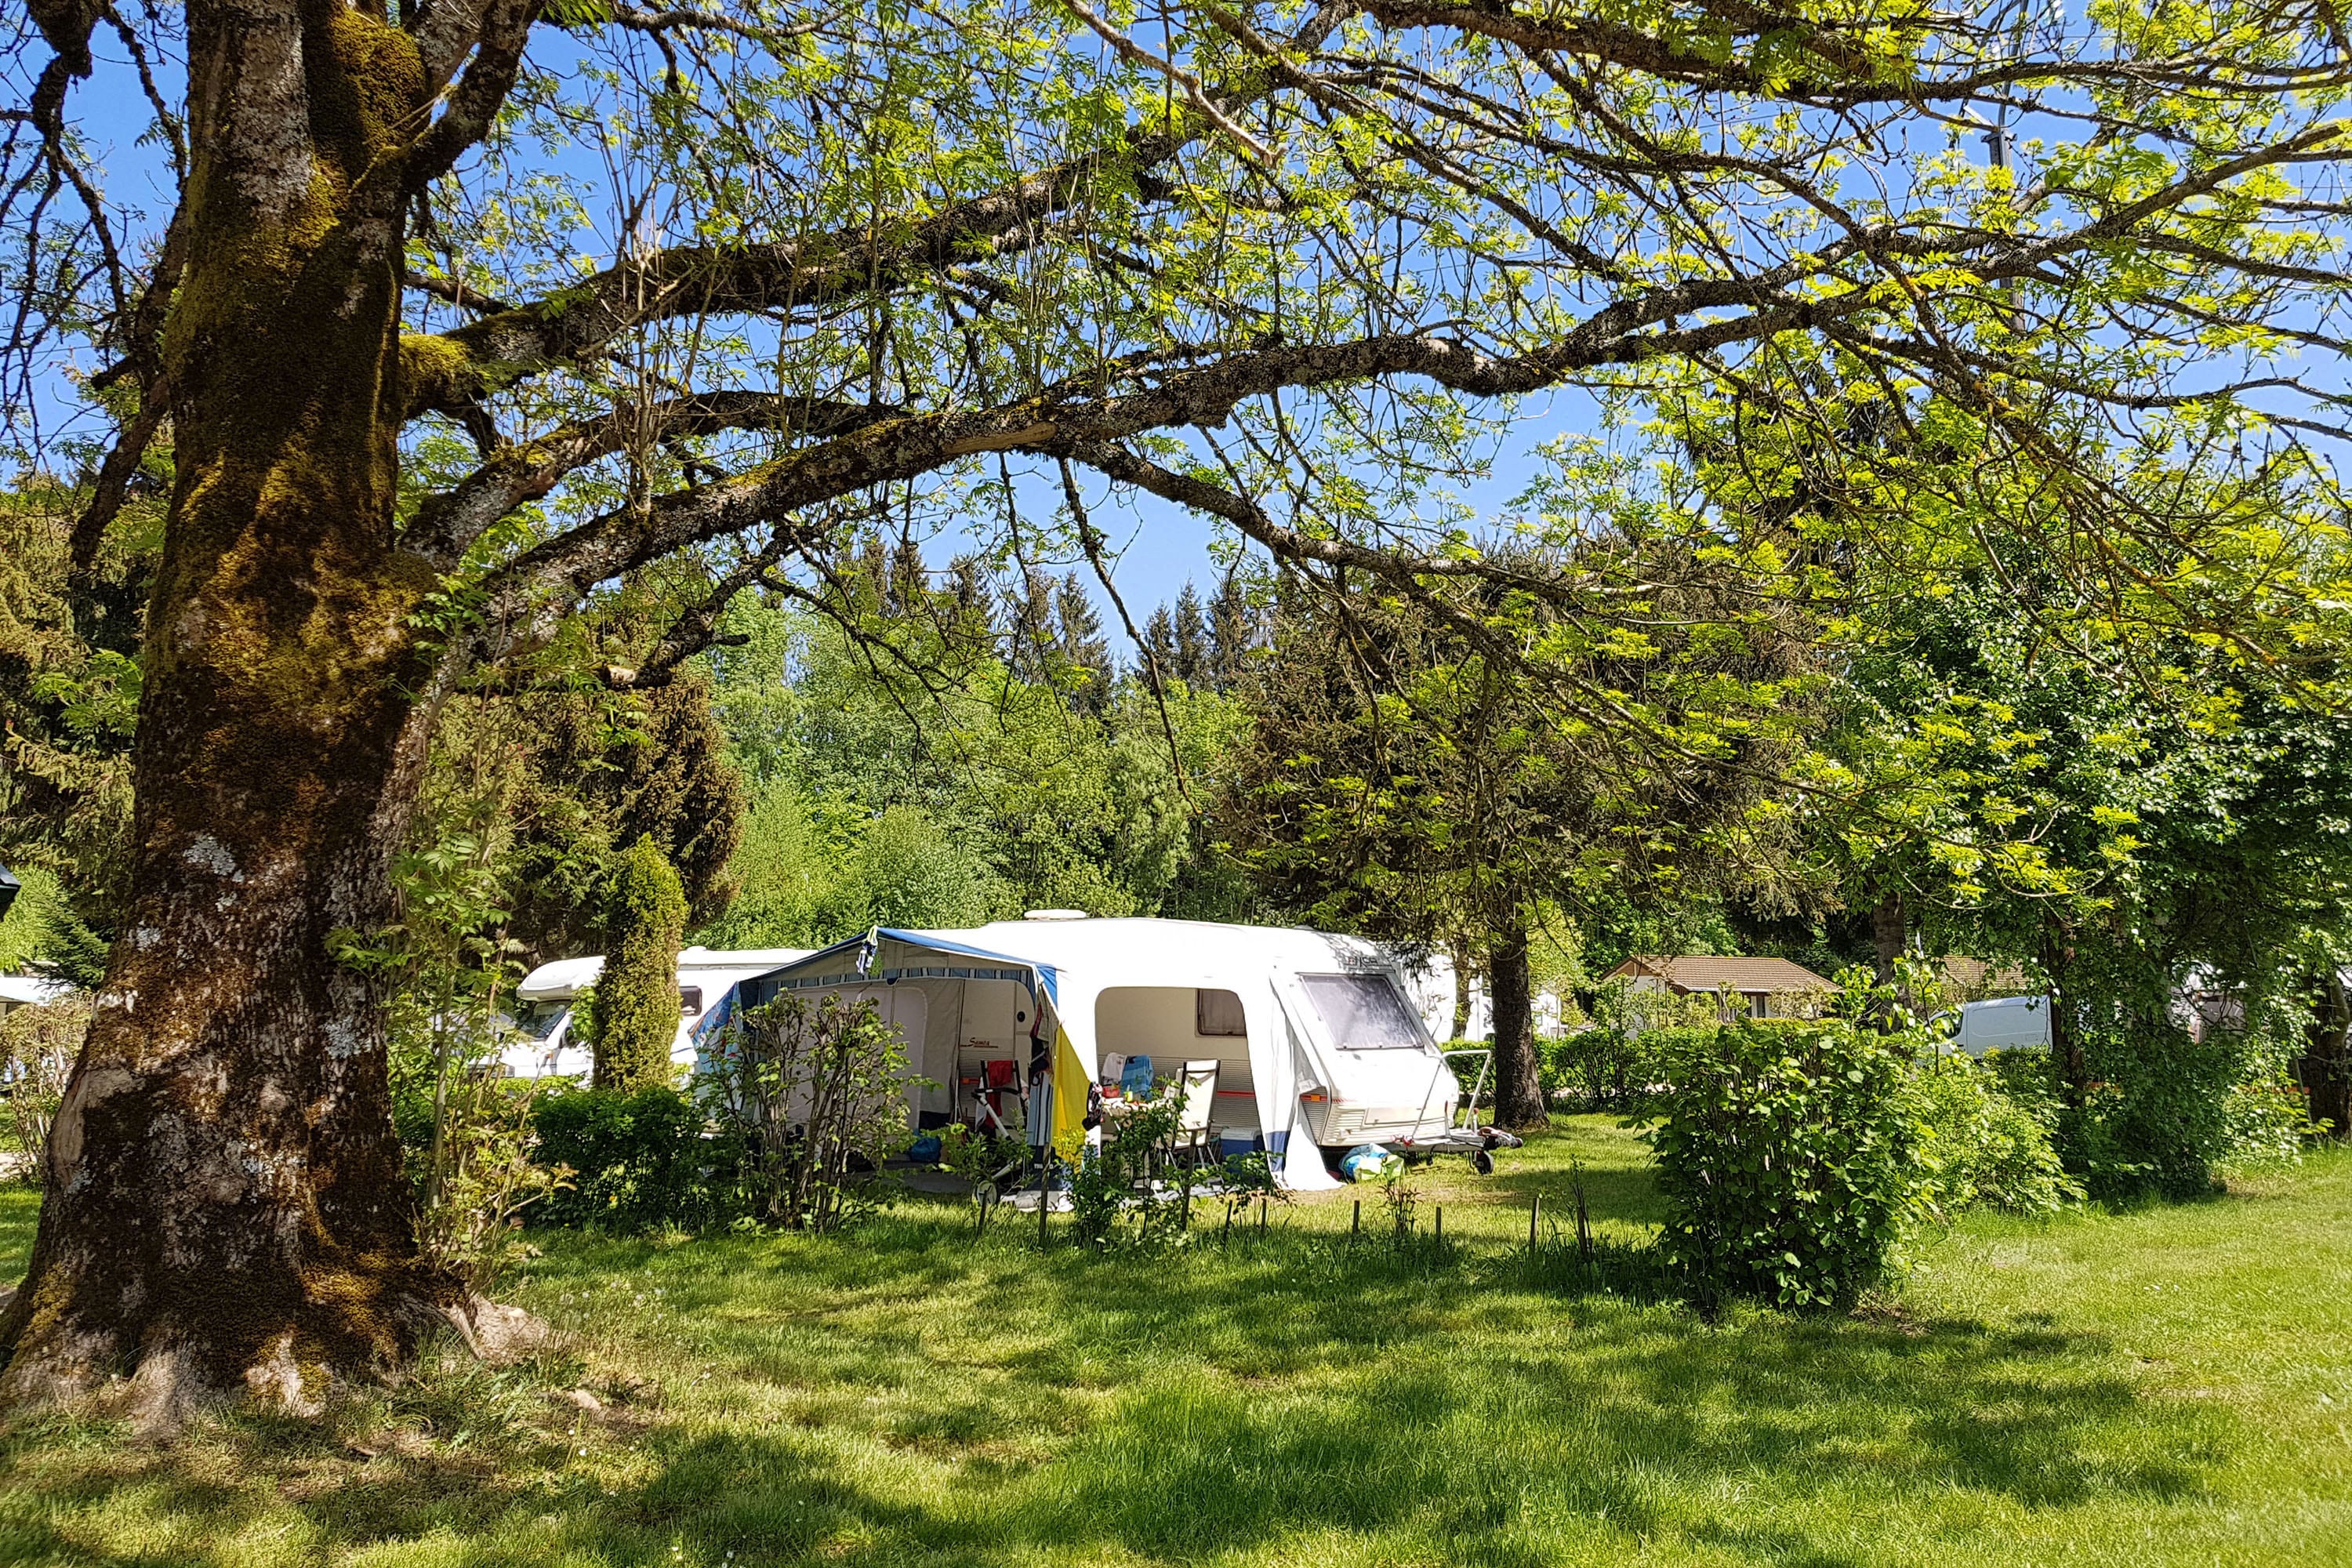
(2169, 1386)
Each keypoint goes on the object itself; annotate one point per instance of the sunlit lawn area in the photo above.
(2167, 1385)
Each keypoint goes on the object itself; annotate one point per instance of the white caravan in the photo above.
(706, 978)
(2003, 1023)
(1315, 1043)
(30, 990)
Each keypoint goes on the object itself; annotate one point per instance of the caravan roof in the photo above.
(565, 978)
(1134, 951)
(30, 990)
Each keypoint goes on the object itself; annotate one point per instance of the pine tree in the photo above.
(974, 605)
(1084, 651)
(1032, 635)
(1232, 629)
(911, 580)
(1191, 663)
(1159, 642)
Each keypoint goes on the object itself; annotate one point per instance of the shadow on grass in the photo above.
(1235, 1402)
(1289, 1390)
(1478, 1458)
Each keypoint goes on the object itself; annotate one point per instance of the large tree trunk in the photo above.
(227, 1211)
(1890, 934)
(1518, 1087)
(2325, 1066)
(2066, 1053)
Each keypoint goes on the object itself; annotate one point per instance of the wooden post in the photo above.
(1262, 1204)
(1534, 1214)
(1044, 1192)
(1355, 1225)
(1440, 1225)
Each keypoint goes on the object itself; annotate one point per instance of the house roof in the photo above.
(1704, 972)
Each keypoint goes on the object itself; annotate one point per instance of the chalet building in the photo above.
(1762, 988)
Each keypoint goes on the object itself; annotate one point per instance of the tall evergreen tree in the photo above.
(1084, 651)
(1193, 655)
(634, 1011)
(1233, 631)
(1159, 642)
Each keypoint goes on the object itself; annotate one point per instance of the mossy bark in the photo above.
(227, 1210)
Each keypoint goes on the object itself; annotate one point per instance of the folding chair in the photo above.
(1199, 1088)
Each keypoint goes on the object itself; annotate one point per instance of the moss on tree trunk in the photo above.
(228, 1211)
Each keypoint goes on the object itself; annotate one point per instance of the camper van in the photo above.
(543, 1047)
(1296, 1043)
(2003, 1023)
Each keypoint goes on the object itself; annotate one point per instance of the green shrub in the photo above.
(1983, 1147)
(632, 1015)
(1788, 1155)
(640, 1160)
(1604, 1068)
(2157, 1119)
(816, 1093)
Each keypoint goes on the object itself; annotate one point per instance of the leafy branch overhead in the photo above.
(1272, 263)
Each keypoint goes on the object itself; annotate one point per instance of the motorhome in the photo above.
(544, 1046)
(2004, 1023)
(30, 990)
(1305, 1044)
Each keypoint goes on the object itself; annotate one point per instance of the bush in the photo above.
(643, 1159)
(1788, 1155)
(1612, 1070)
(2267, 1122)
(1983, 1147)
(2157, 1119)
(472, 1215)
(632, 1015)
(816, 1092)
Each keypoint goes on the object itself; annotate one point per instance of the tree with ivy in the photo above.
(431, 382)
(632, 1015)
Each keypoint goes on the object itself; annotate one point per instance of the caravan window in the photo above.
(1363, 1012)
(1219, 1013)
(537, 1020)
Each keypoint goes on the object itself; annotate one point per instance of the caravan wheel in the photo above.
(1482, 1162)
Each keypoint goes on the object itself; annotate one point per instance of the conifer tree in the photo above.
(1191, 637)
(634, 1010)
(1084, 651)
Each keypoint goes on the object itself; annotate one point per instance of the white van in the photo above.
(2003, 1023)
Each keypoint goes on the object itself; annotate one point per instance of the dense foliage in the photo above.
(1788, 1156)
(955, 788)
(633, 1010)
(646, 1160)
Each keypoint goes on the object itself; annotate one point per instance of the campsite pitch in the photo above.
(2171, 1385)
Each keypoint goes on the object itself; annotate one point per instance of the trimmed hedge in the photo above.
(632, 1014)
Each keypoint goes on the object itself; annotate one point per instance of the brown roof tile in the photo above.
(1701, 972)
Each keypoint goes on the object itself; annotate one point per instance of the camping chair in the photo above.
(1199, 1086)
